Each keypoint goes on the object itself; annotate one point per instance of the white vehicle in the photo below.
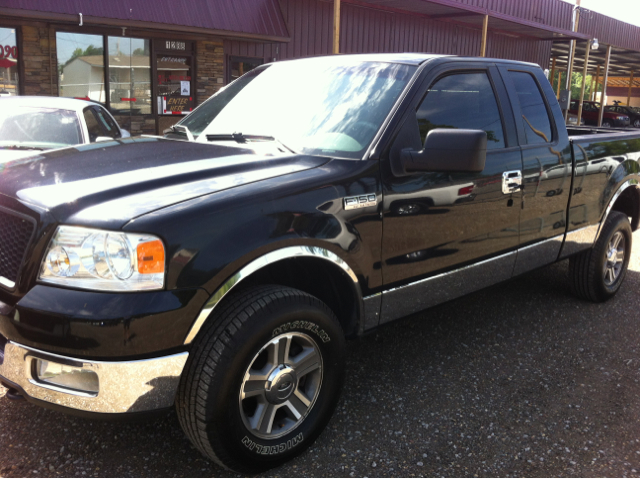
(29, 124)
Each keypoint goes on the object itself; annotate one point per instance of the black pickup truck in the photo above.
(220, 269)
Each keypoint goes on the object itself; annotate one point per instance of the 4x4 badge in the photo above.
(355, 202)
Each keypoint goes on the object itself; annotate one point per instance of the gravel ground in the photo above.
(521, 379)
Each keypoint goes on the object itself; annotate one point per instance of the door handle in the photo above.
(511, 181)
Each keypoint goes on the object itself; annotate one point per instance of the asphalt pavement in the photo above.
(521, 379)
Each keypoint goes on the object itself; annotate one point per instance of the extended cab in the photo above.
(219, 270)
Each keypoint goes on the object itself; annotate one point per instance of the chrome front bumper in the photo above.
(123, 386)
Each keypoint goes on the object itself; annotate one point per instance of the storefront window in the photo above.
(239, 66)
(8, 62)
(81, 66)
(174, 84)
(129, 75)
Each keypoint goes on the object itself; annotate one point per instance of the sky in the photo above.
(625, 10)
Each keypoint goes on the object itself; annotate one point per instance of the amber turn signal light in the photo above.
(150, 257)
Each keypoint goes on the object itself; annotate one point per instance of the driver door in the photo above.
(437, 226)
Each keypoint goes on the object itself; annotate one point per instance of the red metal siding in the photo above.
(610, 31)
(369, 30)
(554, 13)
(260, 17)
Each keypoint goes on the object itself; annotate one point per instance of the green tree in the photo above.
(576, 79)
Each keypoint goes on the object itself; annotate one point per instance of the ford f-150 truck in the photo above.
(220, 269)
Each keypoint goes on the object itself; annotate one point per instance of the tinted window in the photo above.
(534, 112)
(94, 128)
(107, 123)
(465, 101)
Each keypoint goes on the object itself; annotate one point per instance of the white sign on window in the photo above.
(185, 88)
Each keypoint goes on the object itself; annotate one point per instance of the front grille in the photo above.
(15, 233)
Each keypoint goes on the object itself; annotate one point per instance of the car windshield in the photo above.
(37, 127)
(312, 106)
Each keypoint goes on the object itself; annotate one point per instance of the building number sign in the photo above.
(170, 45)
(7, 51)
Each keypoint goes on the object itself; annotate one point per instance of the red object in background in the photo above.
(7, 63)
(127, 99)
(82, 98)
(465, 191)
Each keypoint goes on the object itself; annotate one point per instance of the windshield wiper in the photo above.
(242, 138)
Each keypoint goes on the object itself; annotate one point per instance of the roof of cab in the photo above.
(60, 103)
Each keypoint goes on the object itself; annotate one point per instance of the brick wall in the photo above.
(137, 124)
(209, 68)
(39, 57)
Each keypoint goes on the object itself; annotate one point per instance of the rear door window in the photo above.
(462, 100)
(535, 116)
(107, 122)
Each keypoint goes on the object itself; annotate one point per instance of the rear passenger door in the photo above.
(547, 166)
(436, 223)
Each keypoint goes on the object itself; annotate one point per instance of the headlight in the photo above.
(621, 118)
(103, 260)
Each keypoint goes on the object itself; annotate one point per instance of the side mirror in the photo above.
(103, 138)
(449, 150)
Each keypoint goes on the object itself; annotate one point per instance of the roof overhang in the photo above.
(274, 30)
(621, 63)
(472, 17)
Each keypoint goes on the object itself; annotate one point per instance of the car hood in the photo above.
(108, 184)
(10, 155)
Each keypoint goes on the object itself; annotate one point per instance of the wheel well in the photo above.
(629, 204)
(319, 278)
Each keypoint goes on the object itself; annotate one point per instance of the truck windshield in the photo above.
(314, 107)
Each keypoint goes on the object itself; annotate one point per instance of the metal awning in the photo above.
(472, 17)
(621, 64)
(259, 20)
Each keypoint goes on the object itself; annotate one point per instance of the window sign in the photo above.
(8, 62)
(129, 76)
(174, 84)
(81, 66)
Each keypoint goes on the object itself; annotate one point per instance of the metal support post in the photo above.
(336, 26)
(485, 26)
(630, 85)
(582, 83)
(604, 85)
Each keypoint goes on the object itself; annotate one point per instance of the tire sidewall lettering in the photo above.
(272, 450)
(302, 326)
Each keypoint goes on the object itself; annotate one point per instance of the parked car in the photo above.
(29, 124)
(591, 111)
(205, 274)
(632, 112)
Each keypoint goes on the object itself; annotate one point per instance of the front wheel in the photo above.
(606, 124)
(598, 273)
(636, 123)
(263, 378)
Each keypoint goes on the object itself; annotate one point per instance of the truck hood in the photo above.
(107, 184)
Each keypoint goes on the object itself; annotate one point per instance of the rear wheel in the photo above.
(606, 123)
(262, 379)
(598, 273)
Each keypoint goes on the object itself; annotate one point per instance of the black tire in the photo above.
(246, 330)
(606, 124)
(636, 123)
(592, 276)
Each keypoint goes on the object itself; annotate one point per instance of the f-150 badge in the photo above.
(355, 202)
